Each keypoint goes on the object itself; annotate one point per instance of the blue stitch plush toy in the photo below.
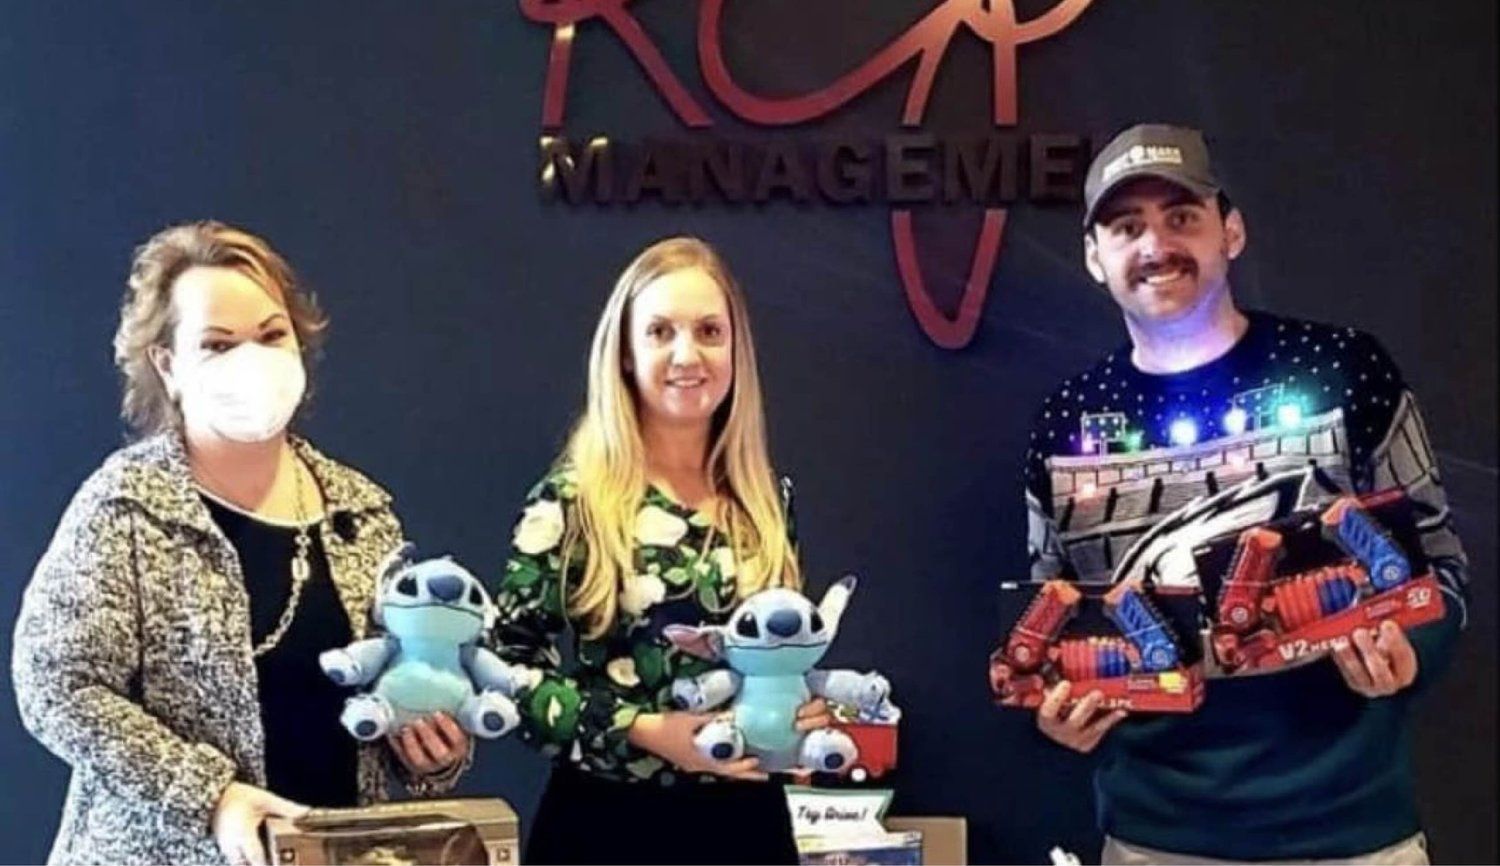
(771, 643)
(434, 613)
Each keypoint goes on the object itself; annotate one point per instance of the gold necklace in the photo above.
(301, 568)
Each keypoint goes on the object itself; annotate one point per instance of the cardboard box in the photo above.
(945, 840)
(482, 832)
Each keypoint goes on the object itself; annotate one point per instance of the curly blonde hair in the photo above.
(148, 316)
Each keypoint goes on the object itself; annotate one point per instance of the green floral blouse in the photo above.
(582, 709)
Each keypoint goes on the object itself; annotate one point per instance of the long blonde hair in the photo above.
(608, 454)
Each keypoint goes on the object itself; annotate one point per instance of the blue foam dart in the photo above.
(1142, 627)
(1112, 662)
(1363, 538)
(1335, 594)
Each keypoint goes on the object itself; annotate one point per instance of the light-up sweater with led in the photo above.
(1288, 765)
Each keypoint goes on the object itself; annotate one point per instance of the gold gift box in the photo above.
(481, 832)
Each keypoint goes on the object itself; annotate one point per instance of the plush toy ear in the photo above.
(705, 642)
(398, 558)
(835, 600)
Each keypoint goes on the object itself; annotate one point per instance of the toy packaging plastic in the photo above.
(770, 645)
(1249, 599)
(481, 832)
(1297, 588)
(1123, 647)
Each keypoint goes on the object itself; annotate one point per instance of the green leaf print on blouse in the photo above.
(646, 767)
(582, 711)
(677, 577)
(592, 653)
(522, 573)
(552, 600)
(555, 707)
(650, 664)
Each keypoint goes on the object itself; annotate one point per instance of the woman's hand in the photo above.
(237, 818)
(813, 715)
(669, 736)
(431, 744)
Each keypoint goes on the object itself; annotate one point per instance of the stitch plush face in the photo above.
(775, 632)
(436, 599)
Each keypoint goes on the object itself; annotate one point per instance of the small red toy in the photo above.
(876, 742)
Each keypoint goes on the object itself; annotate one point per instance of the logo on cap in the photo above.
(1142, 154)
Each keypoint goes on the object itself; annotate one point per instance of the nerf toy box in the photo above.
(1114, 639)
(482, 832)
(1296, 588)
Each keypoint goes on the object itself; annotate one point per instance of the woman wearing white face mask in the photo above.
(167, 644)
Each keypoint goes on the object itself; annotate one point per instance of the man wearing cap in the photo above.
(1308, 763)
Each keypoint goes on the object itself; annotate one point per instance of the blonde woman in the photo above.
(167, 644)
(663, 508)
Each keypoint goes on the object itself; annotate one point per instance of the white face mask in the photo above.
(247, 394)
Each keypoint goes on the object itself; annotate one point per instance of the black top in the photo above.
(310, 758)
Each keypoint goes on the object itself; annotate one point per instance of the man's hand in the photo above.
(1377, 663)
(1084, 726)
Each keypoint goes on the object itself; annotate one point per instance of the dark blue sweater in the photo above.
(1287, 765)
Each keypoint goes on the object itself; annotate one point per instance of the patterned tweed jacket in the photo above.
(132, 657)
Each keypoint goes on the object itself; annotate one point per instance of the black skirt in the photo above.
(584, 819)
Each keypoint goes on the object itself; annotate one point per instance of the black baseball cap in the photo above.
(1175, 154)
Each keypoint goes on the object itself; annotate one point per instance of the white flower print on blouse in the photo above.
(659, 527)
(622, 671)
(724, 558)
(540, 528)
(640, 592)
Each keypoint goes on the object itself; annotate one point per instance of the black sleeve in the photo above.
(1045, 554)
(1389, 441)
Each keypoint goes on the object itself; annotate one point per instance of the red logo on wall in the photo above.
(985, 171)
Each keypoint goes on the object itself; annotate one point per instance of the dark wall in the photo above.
(389, 149)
